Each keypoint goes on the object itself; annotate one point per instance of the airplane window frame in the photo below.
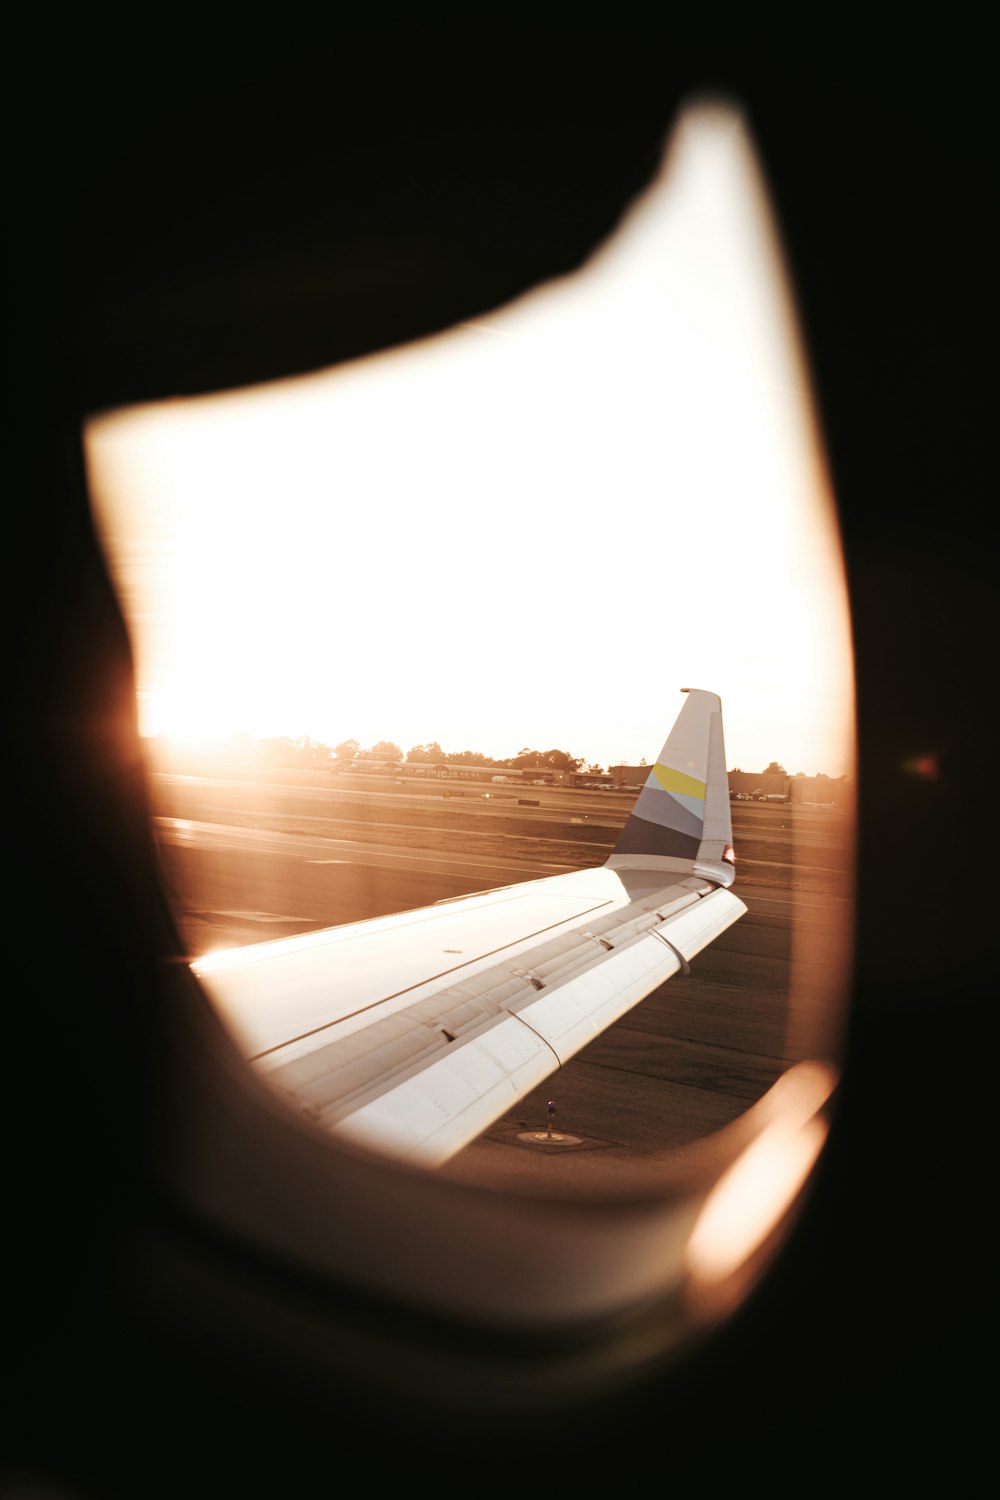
(83, 793)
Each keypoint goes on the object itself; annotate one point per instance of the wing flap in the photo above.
(424, 1082)
(444, 1106)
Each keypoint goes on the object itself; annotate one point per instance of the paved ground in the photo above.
(248, 859)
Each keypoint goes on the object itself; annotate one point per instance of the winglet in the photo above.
(681, 818)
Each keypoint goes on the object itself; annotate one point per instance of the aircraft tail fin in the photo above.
(681, 818)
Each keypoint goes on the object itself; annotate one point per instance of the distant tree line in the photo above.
(283, 750)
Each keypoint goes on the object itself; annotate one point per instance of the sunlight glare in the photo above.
(751, 1198)
(526, 531)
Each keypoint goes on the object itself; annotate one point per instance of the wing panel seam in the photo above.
(429, 979)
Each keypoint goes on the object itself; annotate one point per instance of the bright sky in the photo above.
(533, 530)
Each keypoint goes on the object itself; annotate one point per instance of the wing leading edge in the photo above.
(411, 1034)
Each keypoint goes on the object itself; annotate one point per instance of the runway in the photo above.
(251, 859)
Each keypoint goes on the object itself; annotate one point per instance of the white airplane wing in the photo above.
(412, 1033)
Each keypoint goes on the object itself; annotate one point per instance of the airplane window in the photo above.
(415, 629)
